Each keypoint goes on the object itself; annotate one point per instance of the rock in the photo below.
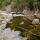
(8, 34)
(4, 19)
(35, 21)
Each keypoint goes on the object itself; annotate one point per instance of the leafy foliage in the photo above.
(21, 3)
(4, 2)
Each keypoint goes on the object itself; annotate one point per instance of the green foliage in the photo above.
(4, 3)
(21, 3)
(37, 4)
(30, 4)
(18, 4)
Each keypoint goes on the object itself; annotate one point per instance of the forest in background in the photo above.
(21, 4)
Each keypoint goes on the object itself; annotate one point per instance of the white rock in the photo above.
(35, 21)
(15, 15)
(8, 34)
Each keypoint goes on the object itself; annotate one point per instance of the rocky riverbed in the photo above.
(7, 33)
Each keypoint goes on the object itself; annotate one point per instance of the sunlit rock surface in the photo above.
(4, 18)
(8, 34)
(15, 15)
(35, 21)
